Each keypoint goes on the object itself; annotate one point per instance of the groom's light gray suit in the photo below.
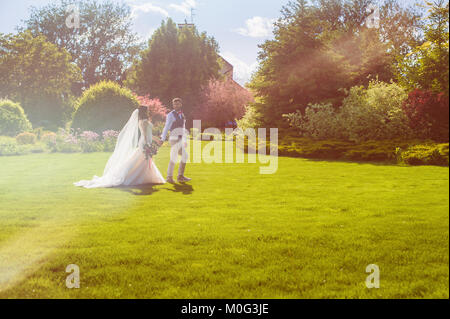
(176, 124)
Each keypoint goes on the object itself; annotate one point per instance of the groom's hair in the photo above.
(177, 99)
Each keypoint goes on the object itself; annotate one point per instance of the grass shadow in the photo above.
(140, 190)
(184, 188)
(375, 163)
(149, 189)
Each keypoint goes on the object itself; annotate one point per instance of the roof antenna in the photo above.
(192, 15)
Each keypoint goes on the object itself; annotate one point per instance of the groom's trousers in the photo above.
(177, 147)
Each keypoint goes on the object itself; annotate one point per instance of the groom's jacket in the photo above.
(175, 120)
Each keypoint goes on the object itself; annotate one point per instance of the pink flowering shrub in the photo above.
(109, 140)
(89, 136)
(157, 110)
(110, 134)
(49, 139)
(73, 141)
(66, 141)
(222, 102)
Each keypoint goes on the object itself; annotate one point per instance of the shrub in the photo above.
(11, 148)
(26, 138)
(252, 117)
(39, 131)
(66, 141)
(321, 121)
(156, 109)
(49, 139)
(73, 141)
(425, 154)
(411, 152)
(428, 114)
(49, 112)
(89, 142)
(369, 151)
(373, 113)
(12, 119)
(109, 140)
(221, 101)
(104, 106)
(158, 128)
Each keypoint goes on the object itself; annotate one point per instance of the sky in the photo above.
(237, 25)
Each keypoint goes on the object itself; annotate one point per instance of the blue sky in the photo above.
(238, 25)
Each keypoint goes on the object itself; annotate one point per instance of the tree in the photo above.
(427, 66)
(320, 49)
(177, 63)
(103, 46)
(221, 102)
(104, 106)
(38, 75)
(427, 114)
(399, 26)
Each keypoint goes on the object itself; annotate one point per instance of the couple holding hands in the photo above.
(132, 164)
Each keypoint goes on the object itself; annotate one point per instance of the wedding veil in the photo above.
(127, 142)
(116, 169)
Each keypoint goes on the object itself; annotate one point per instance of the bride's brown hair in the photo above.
(143, 113)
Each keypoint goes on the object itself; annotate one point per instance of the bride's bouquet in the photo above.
(150, 150)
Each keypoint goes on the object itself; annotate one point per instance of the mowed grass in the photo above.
(308, 231)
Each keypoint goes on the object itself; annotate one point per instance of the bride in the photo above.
(128, 165)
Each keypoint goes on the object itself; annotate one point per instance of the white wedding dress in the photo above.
(128, 166)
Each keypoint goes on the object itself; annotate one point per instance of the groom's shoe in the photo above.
(170, 180)
(183, 179)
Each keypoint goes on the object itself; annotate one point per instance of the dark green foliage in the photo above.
(39, 75)
(322, 48)
(104, 106)
(103, 46)
(12, 119)
(428, 114)
(426, 67)
(426, 154)
(387, 151)
(177, 63)
(10, 147)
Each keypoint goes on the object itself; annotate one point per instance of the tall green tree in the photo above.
(103, 46)
(39, 75)
(321, 48)
(426, 67)
(176, 63)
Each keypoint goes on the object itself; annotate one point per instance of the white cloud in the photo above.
(185, 7)
(257, 27)
(242, 70)
(146, 35)
(137, 9)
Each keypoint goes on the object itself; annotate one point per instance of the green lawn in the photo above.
(309, 231)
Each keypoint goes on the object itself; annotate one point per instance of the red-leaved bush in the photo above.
(221, 102)
(157, 110)
(428, 113)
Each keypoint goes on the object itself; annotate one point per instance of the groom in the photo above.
(176, 124)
